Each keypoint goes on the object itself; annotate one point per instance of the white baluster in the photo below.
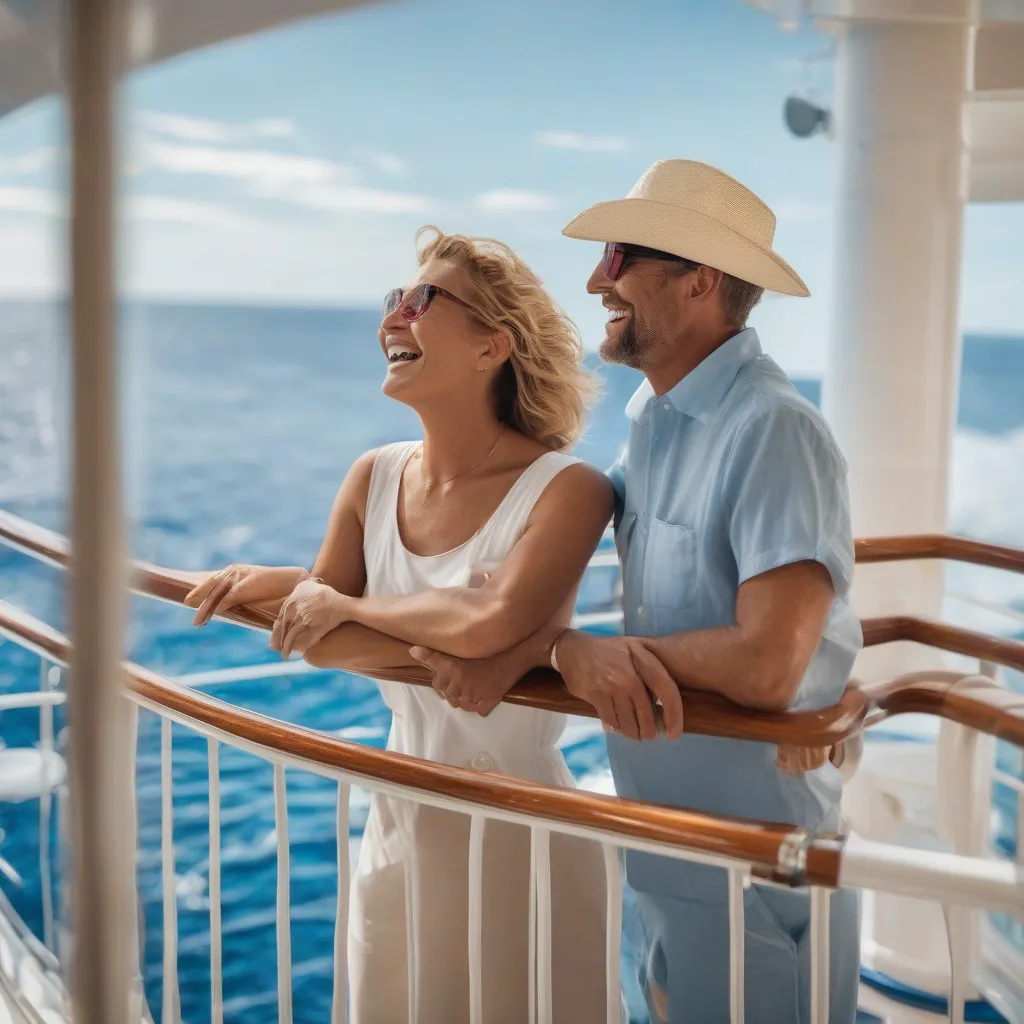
(958, 933)
(339, 1011)
(284, 922)
(532, 962)
(45, 799)
(541, 859)
(216, 955)
(138, 985)
(412, 880)
(476, 872)
(737, 944)
(821, 954)
(170, 979)
(1020, 826)
(613, 946)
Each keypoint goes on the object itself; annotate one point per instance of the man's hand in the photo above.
(476, 684)
(618, 675)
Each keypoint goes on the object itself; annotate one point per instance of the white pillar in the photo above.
(100, 776)
(894, 360)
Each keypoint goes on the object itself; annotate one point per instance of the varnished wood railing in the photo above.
(912, 547)
(706, 713)
(758, 843)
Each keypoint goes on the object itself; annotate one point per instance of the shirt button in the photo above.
(483, 762)
(640, 610)
(665, 406)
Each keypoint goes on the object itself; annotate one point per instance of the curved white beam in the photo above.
(31, 37)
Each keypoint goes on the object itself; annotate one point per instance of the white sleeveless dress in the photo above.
(409, 848)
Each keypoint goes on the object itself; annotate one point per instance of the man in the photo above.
(733, 529)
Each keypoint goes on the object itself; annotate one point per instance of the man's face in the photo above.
(647, 307)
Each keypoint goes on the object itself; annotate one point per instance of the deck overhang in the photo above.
(994, 105)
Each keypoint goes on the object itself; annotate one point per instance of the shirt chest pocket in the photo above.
(672, 579)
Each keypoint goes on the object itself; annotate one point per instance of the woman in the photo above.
(466, 543)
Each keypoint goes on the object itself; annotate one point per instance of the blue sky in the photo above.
(295, 167)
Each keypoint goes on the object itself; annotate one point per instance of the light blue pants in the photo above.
(687, 958)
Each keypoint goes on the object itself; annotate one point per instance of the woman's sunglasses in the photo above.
(616, 254)
(414, 303)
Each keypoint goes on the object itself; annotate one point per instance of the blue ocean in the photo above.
(240, 423)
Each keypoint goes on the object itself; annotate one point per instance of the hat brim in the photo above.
(688, 234)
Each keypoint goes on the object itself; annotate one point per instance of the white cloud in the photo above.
(341, 198)
(259, 167)
(388, 163)
(580, 142)
(198, 129)
(42, 202)
(311, 182)
(30, 162)
(515, 200)
(175, 210)
(39, 202)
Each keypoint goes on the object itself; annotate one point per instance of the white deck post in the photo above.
(890, 391)
(100, 770)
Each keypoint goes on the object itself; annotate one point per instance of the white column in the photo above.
(100, 771)
(894, 359)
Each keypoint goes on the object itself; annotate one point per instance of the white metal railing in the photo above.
(962, 883)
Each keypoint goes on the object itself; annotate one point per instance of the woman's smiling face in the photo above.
(439, 352)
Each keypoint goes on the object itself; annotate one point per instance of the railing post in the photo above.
(339, 1006)
(540, 862)
(216, 958)
(475, 937)
(737, 945)
(46, 748)
(171, 1004)
(821, 965)
(613, 923)
(284, 921)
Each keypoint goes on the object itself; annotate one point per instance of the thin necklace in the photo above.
(429, 487)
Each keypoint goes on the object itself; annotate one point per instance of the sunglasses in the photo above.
(616, 254)
(414, 303)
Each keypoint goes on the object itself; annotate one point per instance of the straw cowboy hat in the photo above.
(698, 212)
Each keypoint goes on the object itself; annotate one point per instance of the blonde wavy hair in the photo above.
(543, 390)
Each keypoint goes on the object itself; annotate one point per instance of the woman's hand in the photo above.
(241, 584)
(472, 685)
(309, 614)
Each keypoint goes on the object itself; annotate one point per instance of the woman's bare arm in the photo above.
(526, 591)
(354, 648)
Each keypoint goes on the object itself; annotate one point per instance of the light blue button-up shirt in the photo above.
(731, 473)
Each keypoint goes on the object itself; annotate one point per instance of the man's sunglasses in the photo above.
(616, 254)
(414, 303)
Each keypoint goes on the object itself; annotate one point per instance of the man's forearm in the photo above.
(721, 661)
(726, 662)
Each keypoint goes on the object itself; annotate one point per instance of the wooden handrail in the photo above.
(941, 635)
(705, 713)
(986, 708)
(754, 842)
(937, 545)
